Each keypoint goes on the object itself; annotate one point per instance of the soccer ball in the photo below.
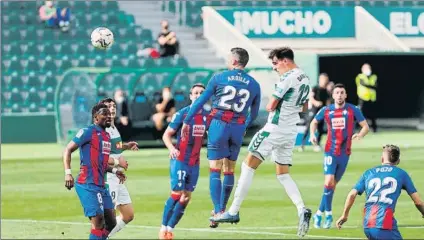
(102, 38)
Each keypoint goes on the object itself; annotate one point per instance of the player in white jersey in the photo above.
(119, 192)
(277, 137)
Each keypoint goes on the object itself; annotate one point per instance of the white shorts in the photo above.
(118, 192)
(275, 140)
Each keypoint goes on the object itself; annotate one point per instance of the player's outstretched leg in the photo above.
(318, 214)
(177, 213)
(168, 212)
(246, 177)
(126, 216)
(215, 187)
(328, 196)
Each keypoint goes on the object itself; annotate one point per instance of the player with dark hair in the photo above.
(185, 160)
(233, 93)
(119, 192)
(94, 144)
(382, 186)
(277, 138)
(340, 118)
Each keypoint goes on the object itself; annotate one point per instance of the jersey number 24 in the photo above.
(229, 93)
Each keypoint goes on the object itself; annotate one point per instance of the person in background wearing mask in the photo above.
(318, 98)
(122, 121)
(366, 83)
(165, 109)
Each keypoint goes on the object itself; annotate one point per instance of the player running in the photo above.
(119, 192)
(277, 137)
(185, 159)
(233, 93)
(382, 186)
(340, 118)
(94, 144)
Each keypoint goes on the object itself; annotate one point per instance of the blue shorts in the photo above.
(225, 139)
(335, 165)
(183, 176)
(377, 234)
(94, 199)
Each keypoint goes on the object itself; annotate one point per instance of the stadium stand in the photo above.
(34, 57)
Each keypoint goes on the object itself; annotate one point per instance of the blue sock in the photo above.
(328, 195)
(322, 204)
(227, 188)
(168, 209)
(215, 187)
(96, 234)
(177, 214)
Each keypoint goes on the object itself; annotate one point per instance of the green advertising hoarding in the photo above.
(401, 21)
(279, 22)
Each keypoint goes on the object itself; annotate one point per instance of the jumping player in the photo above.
(382, 186)
(119, 192)
(233, 93)
(340, 118)
(94, 144)
(277, 137)
(185, 158)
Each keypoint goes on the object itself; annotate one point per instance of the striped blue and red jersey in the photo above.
(340, 127)
(190, 146)
(94, 144)
(234, 93)
(382, 186)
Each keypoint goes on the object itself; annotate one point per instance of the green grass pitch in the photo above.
(35, 203)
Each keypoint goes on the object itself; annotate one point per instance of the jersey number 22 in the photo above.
(389, 184)
(230, 93)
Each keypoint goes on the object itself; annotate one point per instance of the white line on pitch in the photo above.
(184, 229)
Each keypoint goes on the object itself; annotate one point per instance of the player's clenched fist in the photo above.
(69, 181)
(121, 176)
(123, 163)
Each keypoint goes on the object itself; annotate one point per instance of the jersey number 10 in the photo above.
(229, 93)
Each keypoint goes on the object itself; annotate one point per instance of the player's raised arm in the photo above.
(280, 89)
(413, 193)
(362, 122)
(198, 104)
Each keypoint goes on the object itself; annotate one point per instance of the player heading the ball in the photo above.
(234, 93)
(277, 138)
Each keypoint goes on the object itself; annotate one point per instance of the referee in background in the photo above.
(319, 98)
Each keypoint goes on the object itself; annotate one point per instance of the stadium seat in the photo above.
(181, 99)
(140, 110)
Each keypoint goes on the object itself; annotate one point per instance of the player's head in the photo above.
(323, 80)
(166, 92)
(111, 104)
(391, 154)
(366, 69)
(339, 94)
(101, 115)
(164, 24)
(330, 87)
(282, 59)
(238, 58)
(195, 91)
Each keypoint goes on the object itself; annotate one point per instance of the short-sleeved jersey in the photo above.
(292, 91)
(340, 127)
(189, 147)
(233, 93)
(94, 144)
(382, 186)
(115, 140)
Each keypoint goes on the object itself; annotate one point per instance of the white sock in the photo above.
(243, 185)
(120, 224)
(169, 229)
(328, 213)
(163, 228)
(292, 191)
(319, 213)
